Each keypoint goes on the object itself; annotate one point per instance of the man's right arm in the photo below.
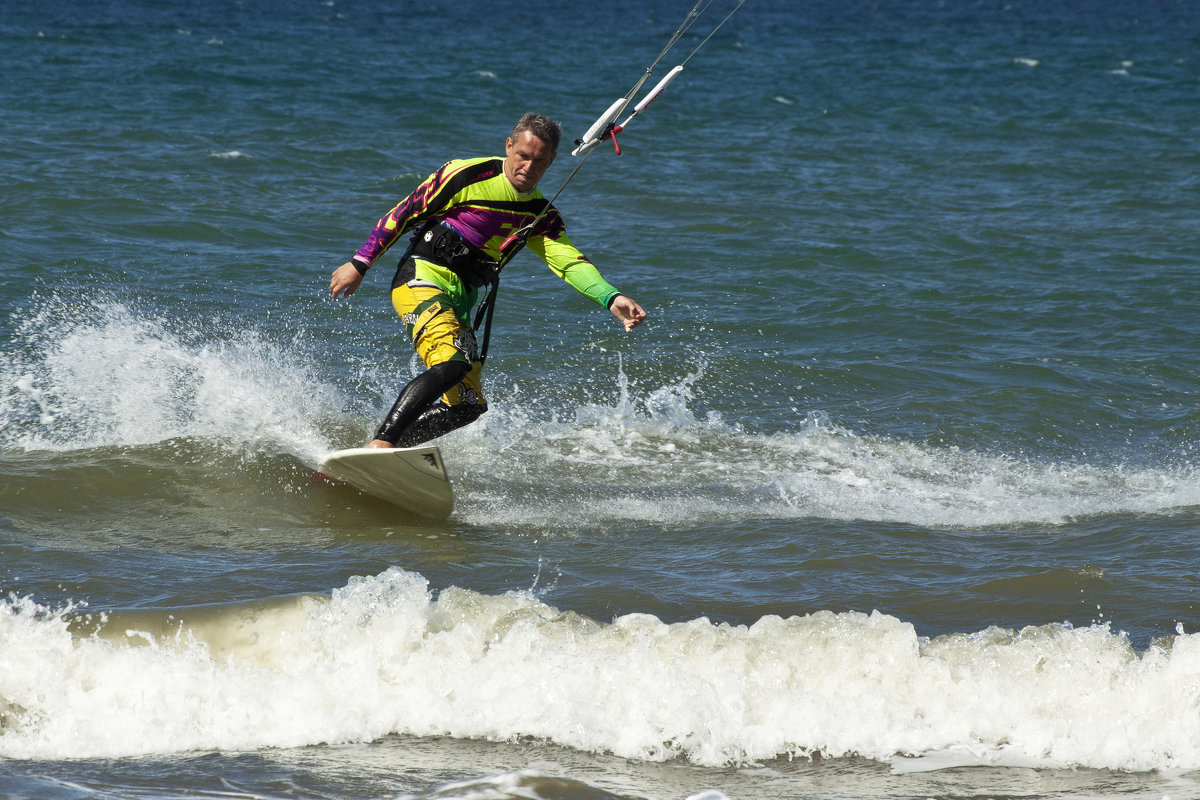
(345, 280)
(425, 200)
(348, 276)
(431, 197)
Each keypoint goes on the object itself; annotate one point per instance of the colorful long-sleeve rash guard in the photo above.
(476, 198)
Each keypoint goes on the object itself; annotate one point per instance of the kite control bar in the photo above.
(605, 126)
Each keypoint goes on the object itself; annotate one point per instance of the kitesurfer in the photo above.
(459, 218)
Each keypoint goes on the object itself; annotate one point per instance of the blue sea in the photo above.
(896, 493)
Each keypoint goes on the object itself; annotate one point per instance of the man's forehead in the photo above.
(529, 141)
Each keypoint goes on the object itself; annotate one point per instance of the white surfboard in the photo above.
(413, 478)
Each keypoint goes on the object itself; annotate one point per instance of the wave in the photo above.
(383, 655)
(82, 377)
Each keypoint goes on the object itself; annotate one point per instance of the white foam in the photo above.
(382, 655)
(649, 457)
(834, 473)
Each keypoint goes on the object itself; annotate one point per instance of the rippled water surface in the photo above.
(894, 495)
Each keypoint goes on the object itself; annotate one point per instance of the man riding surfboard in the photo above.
(460, 217)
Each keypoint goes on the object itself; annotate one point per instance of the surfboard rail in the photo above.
(413, 478)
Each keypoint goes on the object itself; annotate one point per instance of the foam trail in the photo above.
(649, 457)
(382, 655)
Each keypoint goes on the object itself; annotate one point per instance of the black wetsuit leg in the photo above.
(437, 420)
(417, 397)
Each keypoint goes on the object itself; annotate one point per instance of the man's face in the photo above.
(526, 160)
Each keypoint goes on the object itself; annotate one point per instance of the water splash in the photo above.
(101, 373)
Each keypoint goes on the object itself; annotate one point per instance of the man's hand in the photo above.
(345, 280)
(627, 310)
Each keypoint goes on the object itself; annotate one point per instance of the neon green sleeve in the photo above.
(565, 261)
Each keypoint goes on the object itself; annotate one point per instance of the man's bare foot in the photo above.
(380, 443)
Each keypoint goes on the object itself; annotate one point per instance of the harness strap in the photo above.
(485, 312)
(512, 245)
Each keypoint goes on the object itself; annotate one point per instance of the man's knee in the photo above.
(438, 420)
(450, 373)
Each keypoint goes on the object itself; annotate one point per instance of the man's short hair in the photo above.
(540, 126)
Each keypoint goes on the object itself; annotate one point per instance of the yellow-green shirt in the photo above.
(476, 198)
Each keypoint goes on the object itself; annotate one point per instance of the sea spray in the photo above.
(102, 373)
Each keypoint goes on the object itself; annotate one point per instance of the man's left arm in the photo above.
(565, 261)
(626, 309)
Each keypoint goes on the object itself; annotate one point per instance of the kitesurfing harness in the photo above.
(440, 242)
(605, 127)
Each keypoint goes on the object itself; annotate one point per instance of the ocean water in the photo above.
(896, 494)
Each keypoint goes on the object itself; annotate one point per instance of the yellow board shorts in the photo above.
(440, 336)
